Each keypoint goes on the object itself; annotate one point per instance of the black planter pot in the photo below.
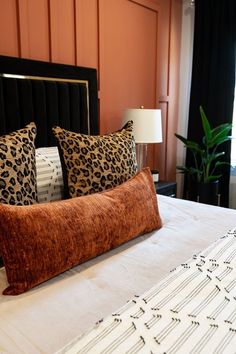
(207, 193)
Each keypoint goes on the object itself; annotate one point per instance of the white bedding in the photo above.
(193, 310)
(51, 315)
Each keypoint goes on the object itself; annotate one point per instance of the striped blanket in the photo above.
(192, 311)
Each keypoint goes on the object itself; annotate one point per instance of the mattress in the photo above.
(48, 317)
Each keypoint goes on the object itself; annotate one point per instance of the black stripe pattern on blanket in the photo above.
(193, 310)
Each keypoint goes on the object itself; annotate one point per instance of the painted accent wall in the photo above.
(133, 44)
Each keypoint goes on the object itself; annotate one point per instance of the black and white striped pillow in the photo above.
(49, 174)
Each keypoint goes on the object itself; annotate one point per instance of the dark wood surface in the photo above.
(166, 188)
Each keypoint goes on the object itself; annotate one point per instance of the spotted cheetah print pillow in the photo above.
(17, 167)
(93, 163)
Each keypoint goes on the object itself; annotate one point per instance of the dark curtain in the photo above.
(213, 73)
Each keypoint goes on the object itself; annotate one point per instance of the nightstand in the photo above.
(166, 188)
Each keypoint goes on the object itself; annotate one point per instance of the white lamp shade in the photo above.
(147, 124)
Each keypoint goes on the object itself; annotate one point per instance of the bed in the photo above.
(65, 314)
(50, 316)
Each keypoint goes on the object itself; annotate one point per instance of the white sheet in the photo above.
(49, 316)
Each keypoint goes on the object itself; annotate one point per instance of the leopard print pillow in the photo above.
(94, 163)
(17, 167)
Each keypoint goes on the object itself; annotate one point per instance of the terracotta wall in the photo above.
(134, 44)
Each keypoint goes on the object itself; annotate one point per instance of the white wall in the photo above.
(232, 183)
(185, 82)
(232, 192)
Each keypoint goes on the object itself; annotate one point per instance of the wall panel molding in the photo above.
(32, 17)
(87, 29)
(62, 32)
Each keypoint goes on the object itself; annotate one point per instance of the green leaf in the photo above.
(220, 141)
(205, 125)
(221, 127)
(215, 156)
(182, 168)
(213, 178)
(181, 138)
(220, 163)
(191, 145)
(220, 134)
(194, 170)
(188, 170)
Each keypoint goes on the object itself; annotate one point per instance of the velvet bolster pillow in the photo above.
(43, 240)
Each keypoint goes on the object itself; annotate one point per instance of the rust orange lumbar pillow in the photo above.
(42, 240)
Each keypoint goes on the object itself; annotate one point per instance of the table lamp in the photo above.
(147, 130)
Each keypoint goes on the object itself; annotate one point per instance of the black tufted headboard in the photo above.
(48, 94)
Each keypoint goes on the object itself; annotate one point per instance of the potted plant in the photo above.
(204, 174)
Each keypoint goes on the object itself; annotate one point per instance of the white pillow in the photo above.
(49, 174)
